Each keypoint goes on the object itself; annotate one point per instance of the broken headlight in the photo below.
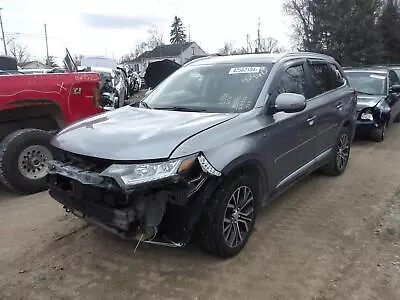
(130, 175)
(367, 115)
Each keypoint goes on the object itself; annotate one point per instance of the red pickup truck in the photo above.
(32, 108)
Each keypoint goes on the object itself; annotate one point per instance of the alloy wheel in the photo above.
(239, 215)
(343, 151)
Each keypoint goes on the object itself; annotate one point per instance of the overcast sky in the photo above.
(114, 27)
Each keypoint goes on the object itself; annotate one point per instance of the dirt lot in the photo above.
(327, 238)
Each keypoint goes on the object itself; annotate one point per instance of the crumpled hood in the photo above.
(134, 133)
(364, 101)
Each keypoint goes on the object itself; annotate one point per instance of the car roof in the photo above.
(257, 58)
(376, 69)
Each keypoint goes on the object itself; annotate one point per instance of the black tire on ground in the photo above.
(378, 134)
(340, 155)
(215, 232)
(397, 119)
(23, 154)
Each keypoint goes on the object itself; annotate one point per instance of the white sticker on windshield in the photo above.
(377, 76)
(245, 70)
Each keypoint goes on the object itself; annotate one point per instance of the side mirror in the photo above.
(290, 103)
(395, 88)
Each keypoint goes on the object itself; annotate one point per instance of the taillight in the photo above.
(96, 95)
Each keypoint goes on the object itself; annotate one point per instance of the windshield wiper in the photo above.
(180, 108)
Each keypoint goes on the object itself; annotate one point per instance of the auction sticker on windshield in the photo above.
(245, 70)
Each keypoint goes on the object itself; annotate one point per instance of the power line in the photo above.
(2, 33)
(34, 35)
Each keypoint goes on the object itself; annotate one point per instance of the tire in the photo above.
(215, 233)
(341, 153)
(378, 134)
(397, 119)
(23, 174)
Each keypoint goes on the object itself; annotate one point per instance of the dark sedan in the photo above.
(378, 102)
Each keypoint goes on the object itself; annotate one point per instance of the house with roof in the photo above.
(179, 53)
(33, 65)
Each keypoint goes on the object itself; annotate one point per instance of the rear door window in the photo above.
(320, 77)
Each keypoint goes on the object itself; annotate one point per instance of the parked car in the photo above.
(32, 108)
(157, 71)
(135, 81)
(125, 80)
(215, 141)
(113, 87)
(378, 100)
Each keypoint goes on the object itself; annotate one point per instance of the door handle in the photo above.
(339, 106)
(311, 120)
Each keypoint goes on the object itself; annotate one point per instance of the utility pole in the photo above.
(2, 33)
(189, 40)
(47, 44)
(259, 35)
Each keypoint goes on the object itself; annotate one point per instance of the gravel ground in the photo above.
(326, 238)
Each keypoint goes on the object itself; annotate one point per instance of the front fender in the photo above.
(382, 111)
(254, 162)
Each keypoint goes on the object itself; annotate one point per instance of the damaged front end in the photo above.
(157, 202)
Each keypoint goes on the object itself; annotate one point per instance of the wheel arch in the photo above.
(253, 167)
(44, 116)
(350, 124)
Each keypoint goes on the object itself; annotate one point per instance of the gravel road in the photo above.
(326, 238)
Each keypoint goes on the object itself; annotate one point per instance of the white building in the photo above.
(179, 53)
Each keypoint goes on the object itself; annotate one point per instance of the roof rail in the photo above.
(201, 58)
(307, 54)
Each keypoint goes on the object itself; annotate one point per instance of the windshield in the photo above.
(223, 88)
(372, 83)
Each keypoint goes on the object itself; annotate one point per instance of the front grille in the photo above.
(85, 163)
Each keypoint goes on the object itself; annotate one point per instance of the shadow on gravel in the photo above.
(6, 194)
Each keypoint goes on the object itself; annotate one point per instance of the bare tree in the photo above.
(128, 57)
(227, 49)
(78, 58)
(155, 38)
(18, 51)
(271, 45)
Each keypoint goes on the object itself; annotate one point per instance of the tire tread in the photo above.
(5, 148)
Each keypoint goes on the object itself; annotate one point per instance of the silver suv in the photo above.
(215, 141)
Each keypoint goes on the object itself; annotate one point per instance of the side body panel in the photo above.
(285, 146)
(72, 93)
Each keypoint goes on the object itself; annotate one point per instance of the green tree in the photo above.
(388, 27)
(177, 34)
(50, 62)
(344, 29)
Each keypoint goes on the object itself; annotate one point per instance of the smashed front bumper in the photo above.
(164, 210)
